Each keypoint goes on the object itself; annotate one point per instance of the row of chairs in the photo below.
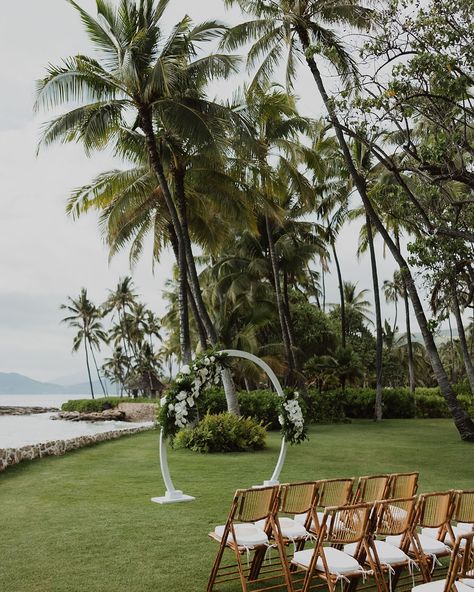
(375, 531)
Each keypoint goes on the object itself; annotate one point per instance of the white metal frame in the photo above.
(173, 495)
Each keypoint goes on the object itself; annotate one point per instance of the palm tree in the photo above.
(120, 301)
(85, 317)
(143, 77)
(304, 27)
(391, 290)
(274, 128)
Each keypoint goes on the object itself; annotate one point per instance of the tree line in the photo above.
(260, 191)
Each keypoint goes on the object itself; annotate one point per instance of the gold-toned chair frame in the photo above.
(249, 506)
(340, 525)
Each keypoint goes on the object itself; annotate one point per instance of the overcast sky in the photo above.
(44, 256)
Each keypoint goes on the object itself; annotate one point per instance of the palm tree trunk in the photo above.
(192, 302)
(463, 422)
(462, 339)
(411, 363)
(88, 367)
(288, 321)
(323, 280)
(278, 297)
(97, 369)
(184, 334)
(227, 380)
(341, 295)
(378, 324)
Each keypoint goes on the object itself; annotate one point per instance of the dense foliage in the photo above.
(224, 432)
(263, 193)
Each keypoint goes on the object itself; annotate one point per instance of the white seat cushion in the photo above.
(438, 586)
(464, 527)
(429, 545)
(301, 519)
(248, 535)
(430, 532)
(469, 582)
(290, 529)
(339, 563)
(388, 554)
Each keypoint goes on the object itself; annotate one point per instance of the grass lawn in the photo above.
(84, 522)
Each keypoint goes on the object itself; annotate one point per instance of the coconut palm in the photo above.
(85, 317)
(311, 29)
(140, 76)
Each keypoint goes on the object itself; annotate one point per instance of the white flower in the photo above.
(163, 401)
(217, 379)
(206, 361)
(185, 369)
(281, 419)
(181, 395)
(190, 401)
(213, 359)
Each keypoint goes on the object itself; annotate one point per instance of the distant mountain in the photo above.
(12, 383)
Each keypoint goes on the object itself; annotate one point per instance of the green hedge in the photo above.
(91, 405)
(223, 432)
(336, 406)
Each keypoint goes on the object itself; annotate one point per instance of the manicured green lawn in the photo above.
(84, 522)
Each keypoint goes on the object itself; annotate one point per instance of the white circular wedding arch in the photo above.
(174, 495)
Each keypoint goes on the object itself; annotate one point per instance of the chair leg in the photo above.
(215, 567)
(243, 579)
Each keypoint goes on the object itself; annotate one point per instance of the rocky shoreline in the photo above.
(13, 456)
(14, 410)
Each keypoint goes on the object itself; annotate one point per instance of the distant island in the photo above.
(12, 383)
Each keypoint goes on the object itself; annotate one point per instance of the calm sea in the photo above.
(16, 431)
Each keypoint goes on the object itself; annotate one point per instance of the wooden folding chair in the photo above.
(330, 492)
(241, 536)
(433, 511)
(371, 488)
(402, 485)
(460, 572)
(340, 525)
(294, 498)
(393, 517)
(463, 515)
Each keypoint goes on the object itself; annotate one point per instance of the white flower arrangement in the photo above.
(178, 406)
(291, 419)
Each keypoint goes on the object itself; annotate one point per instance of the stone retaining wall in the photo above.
(138, 411)
(12, 456)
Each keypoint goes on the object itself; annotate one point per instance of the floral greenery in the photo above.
(224, 432)
(291, 418)
(178, 407)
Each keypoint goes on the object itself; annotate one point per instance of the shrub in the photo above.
(325, 407)
(224, 432)
(92, 405)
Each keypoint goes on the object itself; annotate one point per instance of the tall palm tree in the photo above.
(274, 128)
(140, 76)
(85, 317)
(311, 29)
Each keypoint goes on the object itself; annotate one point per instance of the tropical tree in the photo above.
(312, 29)
(142, 76)
(84, 316)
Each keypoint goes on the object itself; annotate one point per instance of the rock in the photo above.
(138, 411)
(107, 415)
(8, 410)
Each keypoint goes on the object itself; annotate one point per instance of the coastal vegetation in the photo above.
(251, 196)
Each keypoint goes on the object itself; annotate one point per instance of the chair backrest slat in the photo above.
(435, 509)
(394, 516)
(371, 488)
(334, 492)
(297, 498)
(403, 485)
(464, 506)
(254, 504)
(345, 524)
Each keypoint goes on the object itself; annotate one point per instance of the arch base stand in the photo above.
(173, 497)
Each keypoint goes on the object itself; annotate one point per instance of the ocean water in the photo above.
(20, 430)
